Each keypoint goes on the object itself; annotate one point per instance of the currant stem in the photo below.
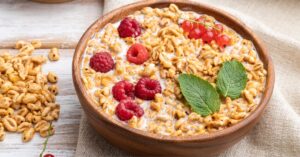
(202, 23)
(46, 141)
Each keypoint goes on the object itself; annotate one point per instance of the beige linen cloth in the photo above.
(278, 132)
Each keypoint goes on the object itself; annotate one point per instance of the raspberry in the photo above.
(123, 90)
(146, 88)
(129, 28)
(102, 62)
(137, 54)
(127, 108)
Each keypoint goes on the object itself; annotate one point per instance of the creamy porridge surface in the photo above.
(172, 52)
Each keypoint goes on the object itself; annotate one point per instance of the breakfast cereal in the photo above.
(130, 69)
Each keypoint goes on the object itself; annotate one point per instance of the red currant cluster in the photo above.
(197, 30)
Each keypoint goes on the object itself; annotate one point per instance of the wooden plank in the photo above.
(56, 24)
(64, 142)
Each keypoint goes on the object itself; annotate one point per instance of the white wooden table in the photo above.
(55, 24)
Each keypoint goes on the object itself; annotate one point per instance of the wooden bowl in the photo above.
(140, 142)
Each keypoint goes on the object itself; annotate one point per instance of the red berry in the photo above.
(218, 28)
(137, 54)
(48, 155)
(197, 31)
(127, 108)
(146, 88)
(129, 28)
(208, 36)
(223, 40)
(187, 26)
(102, 62)
(215, 33)
(123, 90)
(202, 28)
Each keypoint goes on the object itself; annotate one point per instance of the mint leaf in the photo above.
(200, 94)
(231, 79)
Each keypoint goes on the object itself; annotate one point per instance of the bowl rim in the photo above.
(81, 90)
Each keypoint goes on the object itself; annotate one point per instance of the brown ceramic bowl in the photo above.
(140, 142)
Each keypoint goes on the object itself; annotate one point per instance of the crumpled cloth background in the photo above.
(278, 132)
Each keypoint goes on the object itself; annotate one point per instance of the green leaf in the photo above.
(231, 79)
(200, 94)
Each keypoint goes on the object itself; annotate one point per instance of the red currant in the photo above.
(202, 28)
(208, 36)
(219, 27)
(195, 33)
(48, 155)
(187, 26)
(215, 32)
(223, 40)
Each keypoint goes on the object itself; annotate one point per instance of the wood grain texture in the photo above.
(140, 142)
(56, 24)
(59, 25)
(64, 142)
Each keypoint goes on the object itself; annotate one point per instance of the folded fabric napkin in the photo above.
(278, 132)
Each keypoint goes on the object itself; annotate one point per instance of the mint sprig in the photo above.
(231, 79)
(203, 97)
(200, 94)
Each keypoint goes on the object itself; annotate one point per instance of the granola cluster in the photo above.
(172, 52)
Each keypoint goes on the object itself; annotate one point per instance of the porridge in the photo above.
(172, 72)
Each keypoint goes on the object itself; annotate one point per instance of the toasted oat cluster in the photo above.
(130, 69)
(27, 99)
